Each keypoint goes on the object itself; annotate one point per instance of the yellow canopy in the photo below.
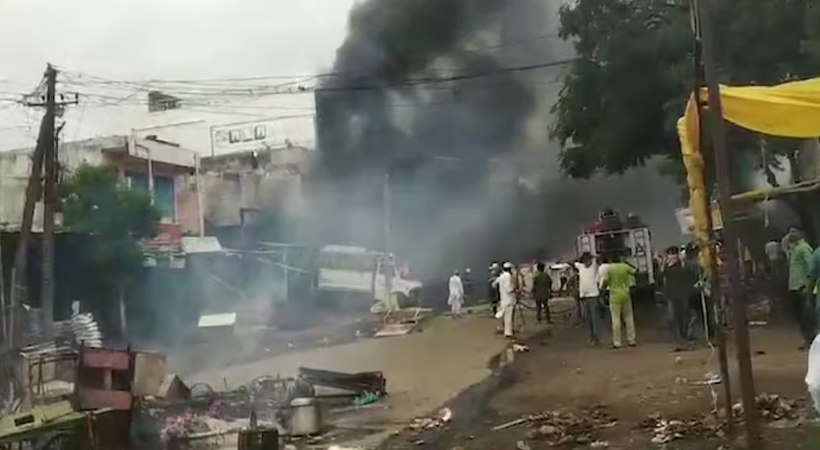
(789, 110)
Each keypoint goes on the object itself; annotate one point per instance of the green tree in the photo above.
(96, 204)
(625, 91)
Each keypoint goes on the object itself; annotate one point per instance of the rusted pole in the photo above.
(737, 296)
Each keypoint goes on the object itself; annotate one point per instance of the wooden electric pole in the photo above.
(719, 331)
(18, 275)
(45, 153)
(49, 194)
(737, 297)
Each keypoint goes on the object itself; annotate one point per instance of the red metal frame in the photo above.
(97, 369)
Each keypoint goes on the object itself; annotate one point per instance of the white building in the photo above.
(171, 167)
(274, 120)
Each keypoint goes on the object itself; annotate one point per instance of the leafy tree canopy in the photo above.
(625, 91)
(96, 203)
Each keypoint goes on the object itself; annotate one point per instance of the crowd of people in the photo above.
(592, 279)
(605, 284)
(791, 269)
(602, 286)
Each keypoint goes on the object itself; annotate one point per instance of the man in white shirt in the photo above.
(590, 293)
(506, 305)
(456, 298)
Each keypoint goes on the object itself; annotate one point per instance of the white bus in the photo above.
(363, 273)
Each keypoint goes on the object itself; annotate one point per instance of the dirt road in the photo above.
(631, 384)
(423, 369)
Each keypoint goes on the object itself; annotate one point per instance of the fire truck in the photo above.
(610, 236)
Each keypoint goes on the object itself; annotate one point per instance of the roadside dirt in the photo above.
(563, 374)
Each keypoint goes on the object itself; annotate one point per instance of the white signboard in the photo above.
(686, 220)
(263, 134)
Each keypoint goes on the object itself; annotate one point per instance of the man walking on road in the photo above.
(618, 277)
(801, 268)
(506, 305)
(541, 292)
(589, 294)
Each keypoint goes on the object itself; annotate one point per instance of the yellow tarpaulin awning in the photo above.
(788, 110)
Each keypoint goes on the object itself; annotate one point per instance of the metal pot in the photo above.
(305, 417)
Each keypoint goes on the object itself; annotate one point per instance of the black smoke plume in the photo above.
(425, 91)
(404, 99)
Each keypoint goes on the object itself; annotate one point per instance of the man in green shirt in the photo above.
(801, 268)
(618, 278)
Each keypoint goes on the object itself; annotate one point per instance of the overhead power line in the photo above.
(304, 77)
(80, 79)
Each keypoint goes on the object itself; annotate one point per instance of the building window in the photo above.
(234, 136)
(259, 132)
(164, 193)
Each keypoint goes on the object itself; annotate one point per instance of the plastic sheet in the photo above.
(788, 110)
(813, 373)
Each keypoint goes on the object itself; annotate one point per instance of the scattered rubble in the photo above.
(206, 413)
(668, 430)
(443, 417)
(772, 407)
(356, 384)
(565, 428)
(520, 348)
(779, 412)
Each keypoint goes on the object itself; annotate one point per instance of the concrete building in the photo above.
(171, 168)
(238, 186)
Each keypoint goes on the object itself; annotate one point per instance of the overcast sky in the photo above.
(167, 39)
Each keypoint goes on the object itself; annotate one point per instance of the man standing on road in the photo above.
(603, 265)
(492, 287)
(541, 292)
(506, 305)
(589, 294)
(456, 298)
(813, 294)
(619, 277)
(801, 268)
(678, 282)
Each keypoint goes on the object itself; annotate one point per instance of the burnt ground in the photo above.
(562, 373)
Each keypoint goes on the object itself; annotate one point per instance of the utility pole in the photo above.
(388, 264)
(19, 289)
(722, 165)
(720, 332)
(49, 194)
